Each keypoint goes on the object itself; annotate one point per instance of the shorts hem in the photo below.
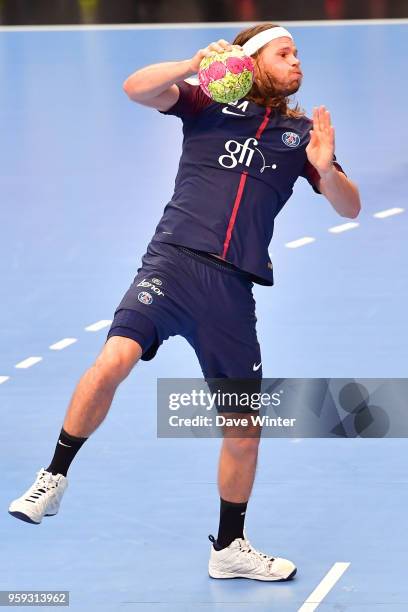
(124, 317)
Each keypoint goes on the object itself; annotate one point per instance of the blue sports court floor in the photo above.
(85, 175)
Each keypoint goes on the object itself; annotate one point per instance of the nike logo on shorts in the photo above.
(256, 367)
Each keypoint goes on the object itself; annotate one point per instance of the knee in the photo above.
(240, 447)
(110, 370)
(116, 360)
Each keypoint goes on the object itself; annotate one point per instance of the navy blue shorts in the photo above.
(179, 292)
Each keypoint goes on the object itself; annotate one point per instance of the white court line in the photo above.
(344, 227)
(98, 325)
(61, 344)
(320, 592)
(3, 379)
(300, 242)
(389, 212)
(27, 363)
(318, 23)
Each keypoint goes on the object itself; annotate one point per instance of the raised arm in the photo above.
(341, 192)
(155, 85)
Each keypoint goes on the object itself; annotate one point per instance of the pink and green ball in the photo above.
(226, 77)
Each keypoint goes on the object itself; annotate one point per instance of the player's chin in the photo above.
(294, 85)
(291, 88)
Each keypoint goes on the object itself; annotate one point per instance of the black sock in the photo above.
(65, 451)
(232, 517)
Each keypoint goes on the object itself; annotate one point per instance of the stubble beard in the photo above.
(272, 88)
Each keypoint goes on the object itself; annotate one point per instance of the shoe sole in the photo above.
(252, 577)
(22, 517)
(25, 517)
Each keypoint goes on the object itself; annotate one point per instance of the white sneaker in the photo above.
(41, 499)
(241, 560)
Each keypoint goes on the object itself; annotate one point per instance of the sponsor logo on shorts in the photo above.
(157, 281)
(291, 139)
(149, 285)
(145, 297)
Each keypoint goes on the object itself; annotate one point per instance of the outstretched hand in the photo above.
(320, 150)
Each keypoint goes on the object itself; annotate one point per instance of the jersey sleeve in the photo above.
(310, 173)
(192, 100)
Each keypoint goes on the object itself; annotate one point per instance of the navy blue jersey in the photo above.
(237, 170)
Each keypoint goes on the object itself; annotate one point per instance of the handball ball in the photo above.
(226, 77)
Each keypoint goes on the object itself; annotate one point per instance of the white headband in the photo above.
(254, 44)
(262, 38)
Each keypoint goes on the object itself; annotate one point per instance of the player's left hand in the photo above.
(320, 150)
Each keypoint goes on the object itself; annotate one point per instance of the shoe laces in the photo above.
(246, 547)
(44, 483)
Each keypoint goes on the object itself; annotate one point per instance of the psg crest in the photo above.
(145, 297)
(291, 139)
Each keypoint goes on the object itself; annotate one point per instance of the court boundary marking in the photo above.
(324, 587)
(322, 23)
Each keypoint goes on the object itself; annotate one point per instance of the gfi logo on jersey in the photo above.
(246, 153)
(149, 285)
(290, 139)
(145, 298)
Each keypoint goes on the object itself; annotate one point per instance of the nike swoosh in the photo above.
(256, 367)
(62, 444)
(229, 112)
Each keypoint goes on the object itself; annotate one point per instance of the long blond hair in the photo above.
(258, 93)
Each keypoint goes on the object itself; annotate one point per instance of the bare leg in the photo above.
(237, 465)
(94, 393)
